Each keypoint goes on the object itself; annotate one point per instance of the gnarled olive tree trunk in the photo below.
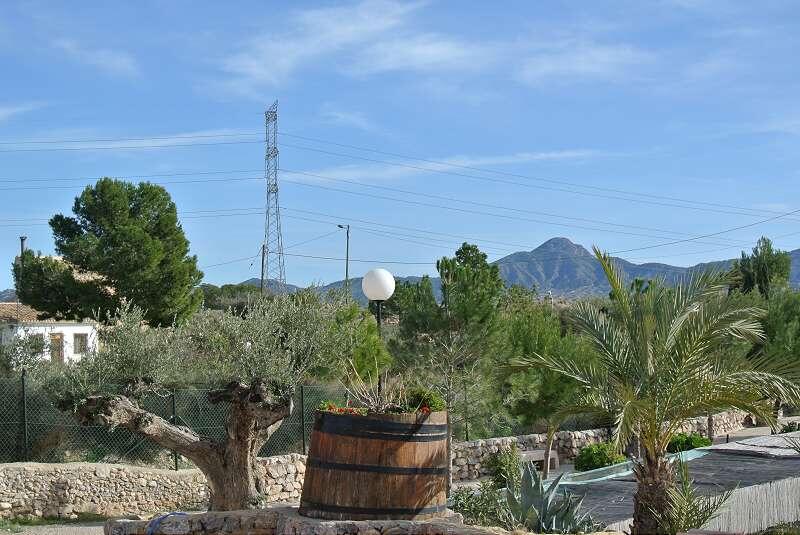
(230, 465)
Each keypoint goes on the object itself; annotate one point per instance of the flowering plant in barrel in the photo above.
(384, 460)
(249, 362)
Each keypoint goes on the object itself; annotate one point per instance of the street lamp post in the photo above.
(346, 259)
(378, 286)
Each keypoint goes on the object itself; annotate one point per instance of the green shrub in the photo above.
(597, 456)
(684, 442)
(418, 398)
(790, 427)
(484, 506)
(506, 468)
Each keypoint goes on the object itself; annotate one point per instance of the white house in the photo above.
(64, 340)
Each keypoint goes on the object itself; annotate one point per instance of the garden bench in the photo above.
(538, 455)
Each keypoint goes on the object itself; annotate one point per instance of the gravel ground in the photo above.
(65, 529)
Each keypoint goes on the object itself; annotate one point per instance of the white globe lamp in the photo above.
(378, 285)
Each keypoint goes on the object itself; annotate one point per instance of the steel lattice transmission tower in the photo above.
(272, 248)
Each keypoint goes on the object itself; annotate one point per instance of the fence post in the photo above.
(466, 411)
(24, 399)
(174, 422)
(303, 417)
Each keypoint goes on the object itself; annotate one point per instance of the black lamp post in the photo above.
(378, 286)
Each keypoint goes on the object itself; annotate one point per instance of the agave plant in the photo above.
(543, 509)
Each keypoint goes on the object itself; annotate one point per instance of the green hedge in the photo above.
(684, 442)
(597, 456)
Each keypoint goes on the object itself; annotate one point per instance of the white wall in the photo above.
(68, 330)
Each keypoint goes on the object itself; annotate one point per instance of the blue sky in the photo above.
(547, 106)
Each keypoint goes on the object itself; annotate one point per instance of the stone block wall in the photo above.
(283, 520)
(724, 423)
(470, 458)
(64, 490)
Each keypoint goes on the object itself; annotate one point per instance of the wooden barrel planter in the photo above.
(379, 466)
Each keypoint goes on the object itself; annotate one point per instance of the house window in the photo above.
(80, 343)
(37, 342)
(57, 347)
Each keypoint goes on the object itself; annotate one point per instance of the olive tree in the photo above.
(251, 363)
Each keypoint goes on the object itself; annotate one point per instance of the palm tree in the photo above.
(656, 367)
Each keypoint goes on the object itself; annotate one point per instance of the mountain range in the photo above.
(567, 270)
(559, 266)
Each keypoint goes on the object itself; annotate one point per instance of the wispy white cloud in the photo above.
(114, 62)
(711, 67)
(457, 164)
(570, 59)
(773, 206)
(374, 37)
(788, 124)
(105, 140)
(270, 59)
(425, 52)
(8, 111)
(355, 119)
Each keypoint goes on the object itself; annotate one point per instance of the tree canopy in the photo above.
(124, 243)
(764, 268)
(251, 362)
(229, 296)
(528, 326)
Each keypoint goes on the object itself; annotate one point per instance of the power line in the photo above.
(474, 212)
(413, 229)
(312, 239)
(165, 182)
(711, 234)
(387, 153)
(233, 261)
(364, 149)
(236, 260)
(124, 139)
(517, 175)
(129, 147)
(359, 148)
(360, 260)
(516, 183)
(130, 176)
(406, 201)
(489, 205)
(559, 256)
(691, 239)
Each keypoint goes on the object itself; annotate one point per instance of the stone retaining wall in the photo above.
(470, 458)
(64, 490)
(283, 520)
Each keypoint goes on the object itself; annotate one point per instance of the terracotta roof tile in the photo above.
(19, 313)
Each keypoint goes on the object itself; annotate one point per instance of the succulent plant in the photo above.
(544, 509)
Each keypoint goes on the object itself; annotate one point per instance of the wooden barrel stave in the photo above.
(376, 467)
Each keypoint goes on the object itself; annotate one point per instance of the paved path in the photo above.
(737, 465)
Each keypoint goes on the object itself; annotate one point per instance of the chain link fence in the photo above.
(33, 429)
